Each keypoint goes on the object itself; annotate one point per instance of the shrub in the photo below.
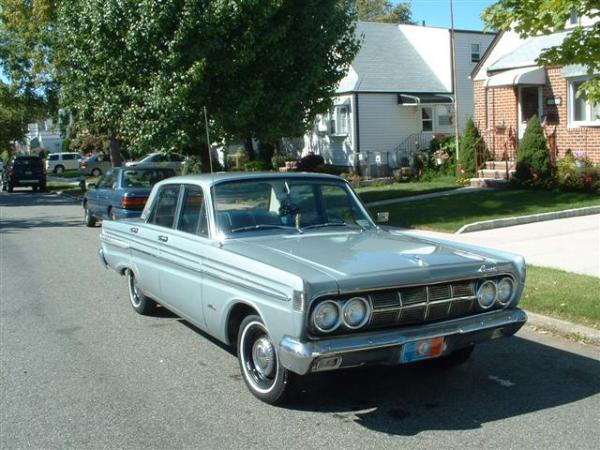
(470, 144)
(310, 163)
(278, 161)
(192, 166)
(533, 159)
(257, 166)
(329, 169)
(574, 174)
(5, 156)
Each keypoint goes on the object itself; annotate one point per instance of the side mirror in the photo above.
(383, 217)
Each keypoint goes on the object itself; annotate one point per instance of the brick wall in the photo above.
(498, 119)
(586, 138)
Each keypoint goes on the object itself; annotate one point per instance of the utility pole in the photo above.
(453, 51)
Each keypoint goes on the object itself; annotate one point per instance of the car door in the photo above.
(181, 254)
(104, 192)
(147, 239)
(94, 196)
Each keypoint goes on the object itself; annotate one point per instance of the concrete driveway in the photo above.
(571, 244)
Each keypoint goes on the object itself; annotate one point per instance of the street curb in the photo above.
(521, 220)
(415, 198)
(590, 335)
(61, 194)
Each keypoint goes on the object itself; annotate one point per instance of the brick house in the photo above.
(509, 88)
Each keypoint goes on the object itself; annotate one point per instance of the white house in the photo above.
(42, 135)
(398, 94)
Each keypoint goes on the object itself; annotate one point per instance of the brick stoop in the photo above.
(494, 174)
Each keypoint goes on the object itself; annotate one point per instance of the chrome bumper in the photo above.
(102, 258)
(384, 346)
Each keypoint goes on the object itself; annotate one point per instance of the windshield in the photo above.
(285, 205)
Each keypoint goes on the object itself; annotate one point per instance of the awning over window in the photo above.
(418, 99)
(514, 77)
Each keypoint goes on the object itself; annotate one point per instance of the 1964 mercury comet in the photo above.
(292, 269)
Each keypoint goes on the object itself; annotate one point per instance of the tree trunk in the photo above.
(115, 149)
(249, 148)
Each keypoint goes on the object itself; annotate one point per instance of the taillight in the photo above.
(84, 164)
(133, 202)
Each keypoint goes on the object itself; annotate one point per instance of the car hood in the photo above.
(367, 260)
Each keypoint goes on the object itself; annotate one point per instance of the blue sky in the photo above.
(436, 13)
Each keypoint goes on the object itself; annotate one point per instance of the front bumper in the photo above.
(384, 347)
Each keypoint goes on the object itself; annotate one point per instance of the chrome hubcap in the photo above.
(133, 291)
(263, 356)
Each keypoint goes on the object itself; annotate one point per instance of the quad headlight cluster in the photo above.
(353, 313)
(495, 291)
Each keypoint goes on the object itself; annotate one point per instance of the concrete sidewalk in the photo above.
(571, 244)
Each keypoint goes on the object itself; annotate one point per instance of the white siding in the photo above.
(464, 66)
(506, 44)
(383, 123)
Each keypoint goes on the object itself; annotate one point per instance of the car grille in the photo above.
(421, 304)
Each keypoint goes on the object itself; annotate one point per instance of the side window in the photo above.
(68, 157)
(163, 213)
(192, 218)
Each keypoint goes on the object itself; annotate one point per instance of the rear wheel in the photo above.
(34, 188)
(88, 217)
(263, 374)
(10, 187)
(142, 304)
(96, 172)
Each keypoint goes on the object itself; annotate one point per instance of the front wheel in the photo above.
(88, 218)
(143, 305)
(59, 170)
(268, 380)
(96, 172)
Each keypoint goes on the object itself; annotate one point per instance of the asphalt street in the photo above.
(80, 369)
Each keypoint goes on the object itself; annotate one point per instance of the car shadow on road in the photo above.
(503, 379)
(8, 225)
(28, 198)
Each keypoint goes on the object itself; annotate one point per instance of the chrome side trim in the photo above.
(298, 356)
(241, 282)
(112, 241)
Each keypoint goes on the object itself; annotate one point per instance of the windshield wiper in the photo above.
(261, 226)
(325, 224)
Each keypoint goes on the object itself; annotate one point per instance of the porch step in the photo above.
(497, 174)
(489, 182)
(499, 165)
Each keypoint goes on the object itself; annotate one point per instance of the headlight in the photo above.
(355, 312)
(326, 316)
(486, 294)
(505, 290)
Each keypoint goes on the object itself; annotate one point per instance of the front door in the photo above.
(530, 104)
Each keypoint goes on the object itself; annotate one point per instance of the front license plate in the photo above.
(30, 181)
(425, 349)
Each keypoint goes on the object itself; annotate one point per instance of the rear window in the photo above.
(28, 161)
(145, 178)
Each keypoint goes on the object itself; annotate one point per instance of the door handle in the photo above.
(163, 238)
(134, 229)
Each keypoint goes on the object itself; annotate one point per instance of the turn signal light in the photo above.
(134, 202)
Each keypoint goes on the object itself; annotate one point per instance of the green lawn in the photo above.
(397, 190)
(452, 212)
(66, 174)
(563, 295)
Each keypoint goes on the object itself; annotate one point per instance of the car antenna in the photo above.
(208, 143)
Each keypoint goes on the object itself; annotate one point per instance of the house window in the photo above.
(445, 115)
(341, 120)
(573, 19)
(475, 53)
(427, 118)
(582, 112)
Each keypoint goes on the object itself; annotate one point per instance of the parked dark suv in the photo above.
(24, 171)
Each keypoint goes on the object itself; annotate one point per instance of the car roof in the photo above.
(208, 179)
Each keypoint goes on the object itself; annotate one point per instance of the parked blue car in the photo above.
(121, 193)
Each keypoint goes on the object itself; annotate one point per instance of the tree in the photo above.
(262, 69)
(533, 17)
(533, 159)
(26, 43)
(383, 11)
(471, 145)
(16, 111)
